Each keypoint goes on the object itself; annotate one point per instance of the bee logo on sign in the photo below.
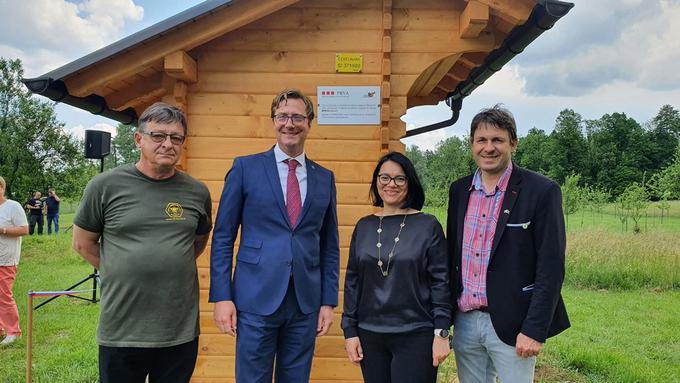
(349, 62)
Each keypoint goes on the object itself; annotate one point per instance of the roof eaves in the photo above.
(51, 85)
(155, 31)
(544, 15)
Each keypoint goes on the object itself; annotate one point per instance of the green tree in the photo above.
(595, 199)
(567, 148)
(532, 151)
(35, 152)
(439, 168)
(123, 148)
(572, 196)
(619, 152)
(663, 205)
(664, 133)
(419, 161)
(666, 183)
(635, 200)
(450, 161)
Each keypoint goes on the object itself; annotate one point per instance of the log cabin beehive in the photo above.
(222, 61)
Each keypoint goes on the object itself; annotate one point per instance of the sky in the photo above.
(605, 56)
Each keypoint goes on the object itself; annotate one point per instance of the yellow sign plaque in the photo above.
(349, 62)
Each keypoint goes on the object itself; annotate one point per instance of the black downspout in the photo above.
(544, 15)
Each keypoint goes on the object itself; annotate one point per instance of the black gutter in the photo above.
(51, 85)
(544, 15)
(56, 90)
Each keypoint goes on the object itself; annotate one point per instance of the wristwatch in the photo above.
(442, 333)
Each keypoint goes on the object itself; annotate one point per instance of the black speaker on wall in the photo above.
(97, 144)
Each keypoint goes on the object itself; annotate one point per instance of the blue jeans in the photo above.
(481, 356)
(55, 219)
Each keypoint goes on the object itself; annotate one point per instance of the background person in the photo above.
(143, 226)
(35, 208)
(505, 229)
(13, 225)
(52, 202)
(285, 281)
(397, 302)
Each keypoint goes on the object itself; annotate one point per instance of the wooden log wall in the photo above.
(228, 107)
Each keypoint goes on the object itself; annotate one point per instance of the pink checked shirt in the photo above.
(480, 225)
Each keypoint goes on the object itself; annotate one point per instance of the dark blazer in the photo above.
(526, 268)
(269, 249)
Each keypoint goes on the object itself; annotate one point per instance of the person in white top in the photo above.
(13, 225)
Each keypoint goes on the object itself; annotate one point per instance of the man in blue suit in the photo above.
(285, 279)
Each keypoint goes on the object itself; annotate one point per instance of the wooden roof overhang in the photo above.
(122, 79)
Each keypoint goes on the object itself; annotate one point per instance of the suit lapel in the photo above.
(311, 188)
(462, 210)
(273, 178)
(509, 199)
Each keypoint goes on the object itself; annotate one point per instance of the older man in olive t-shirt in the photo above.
(142, 226)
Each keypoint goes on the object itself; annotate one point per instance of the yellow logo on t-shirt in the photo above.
(174, 211)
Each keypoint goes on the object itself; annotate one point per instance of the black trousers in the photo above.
(397, 358)
(174, 364)
(34, 219)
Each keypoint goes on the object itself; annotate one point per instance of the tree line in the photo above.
(35, 151)
(608, 154)
(605, 158)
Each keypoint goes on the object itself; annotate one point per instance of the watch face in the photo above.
(444, 333)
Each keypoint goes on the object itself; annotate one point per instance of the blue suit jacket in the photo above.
(269, 250)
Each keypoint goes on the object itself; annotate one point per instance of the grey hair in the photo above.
(162, 113)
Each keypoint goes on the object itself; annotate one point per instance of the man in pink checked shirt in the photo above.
(505, 229)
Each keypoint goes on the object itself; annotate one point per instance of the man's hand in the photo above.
(440, 350)
(527, 347)
(325, 320)
(86, 243)
(354, 351)
(224, 316)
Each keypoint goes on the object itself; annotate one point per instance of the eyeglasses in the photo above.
(159, 137)
(283, 118)
(385, 179)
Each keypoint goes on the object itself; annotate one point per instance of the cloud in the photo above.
(604, 42)
(79, 130)
(46, 34)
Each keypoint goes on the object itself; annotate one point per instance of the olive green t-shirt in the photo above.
(147, 268)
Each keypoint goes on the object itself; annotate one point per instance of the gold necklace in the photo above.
(385, 272)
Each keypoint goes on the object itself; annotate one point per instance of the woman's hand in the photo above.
(440, 350)
(354, 351)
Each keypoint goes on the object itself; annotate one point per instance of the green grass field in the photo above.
(621, 291)
(63, 331)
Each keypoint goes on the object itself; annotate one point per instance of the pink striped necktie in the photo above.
(294, 201)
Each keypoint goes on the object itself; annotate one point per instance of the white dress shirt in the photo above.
(300, 173)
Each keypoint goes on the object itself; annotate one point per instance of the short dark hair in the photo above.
(497, 116)
(162, 113)
(415, 196)
(286, 94)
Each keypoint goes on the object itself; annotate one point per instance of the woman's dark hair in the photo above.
(415, 196)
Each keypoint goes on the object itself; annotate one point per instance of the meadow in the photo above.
(622, 291)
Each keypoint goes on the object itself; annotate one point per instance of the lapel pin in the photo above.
(506, 211)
